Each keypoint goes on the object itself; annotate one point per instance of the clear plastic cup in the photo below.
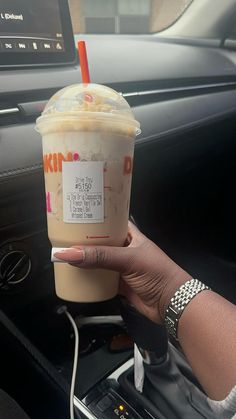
(88, 134)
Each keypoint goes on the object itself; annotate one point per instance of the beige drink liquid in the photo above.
(88, 136)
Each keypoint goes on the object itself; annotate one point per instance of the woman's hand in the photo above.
(149, 278)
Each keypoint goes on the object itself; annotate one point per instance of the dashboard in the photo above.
(174, 89)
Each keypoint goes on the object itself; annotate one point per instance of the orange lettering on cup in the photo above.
(54, 157)
(47, 163)
(128, 165)
(60, 158)
(69, 156)
(53, 162)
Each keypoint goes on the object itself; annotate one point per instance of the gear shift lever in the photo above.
(150, 337)
(165, 389)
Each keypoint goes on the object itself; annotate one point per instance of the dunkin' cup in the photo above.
(88, 133)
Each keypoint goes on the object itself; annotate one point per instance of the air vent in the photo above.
(9, 114)
(15, 267)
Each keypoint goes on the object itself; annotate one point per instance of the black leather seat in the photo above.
(9, 409)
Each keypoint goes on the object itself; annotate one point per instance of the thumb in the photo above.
(108, 257)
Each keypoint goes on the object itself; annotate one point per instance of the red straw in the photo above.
(83, 62)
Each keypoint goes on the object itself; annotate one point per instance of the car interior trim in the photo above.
(179, 89)
(21, 170)
(128, 364)
(83, 409)
(187, 113)
(8, 111)
(185, 127)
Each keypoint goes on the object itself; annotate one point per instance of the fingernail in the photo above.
(71, 254)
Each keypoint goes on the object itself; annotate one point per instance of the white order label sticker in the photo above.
(83, 187)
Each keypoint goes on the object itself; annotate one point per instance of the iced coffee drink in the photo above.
(88, 134)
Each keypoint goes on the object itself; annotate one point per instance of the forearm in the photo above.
(207, 335)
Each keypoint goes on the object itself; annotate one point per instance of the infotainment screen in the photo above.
(35, 32)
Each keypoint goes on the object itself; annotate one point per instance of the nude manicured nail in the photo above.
(70, 254)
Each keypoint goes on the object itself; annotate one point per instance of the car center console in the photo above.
(105, 389)
(108, 400)
(168, 389)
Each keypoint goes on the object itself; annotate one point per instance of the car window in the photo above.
(125, 16)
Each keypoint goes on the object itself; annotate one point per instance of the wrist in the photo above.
(178, 278)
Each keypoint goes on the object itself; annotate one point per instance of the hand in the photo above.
(149, 278)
